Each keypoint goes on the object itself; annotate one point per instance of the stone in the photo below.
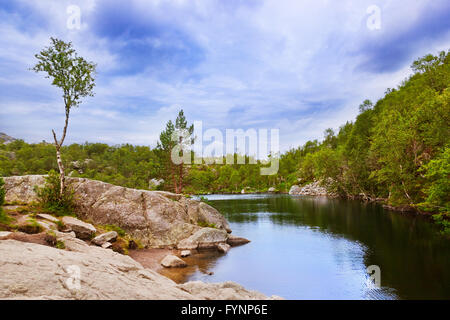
(236, 241)
(37, 272)
(48, 225)
(155, 218)
(171, 261)
(185, 253)
(205, 238)
(272, 190)
(223, 247)
(82, 229)
(110, 236)
(47, 217)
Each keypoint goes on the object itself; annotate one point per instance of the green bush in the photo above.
(51, 200)
(3, 217)
(2, 192)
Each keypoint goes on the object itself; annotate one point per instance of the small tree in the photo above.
(74, 75)
(183, 134)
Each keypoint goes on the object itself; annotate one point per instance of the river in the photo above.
(319, 248)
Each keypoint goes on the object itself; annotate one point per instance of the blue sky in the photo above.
(299, 66)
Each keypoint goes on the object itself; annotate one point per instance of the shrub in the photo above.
(2, 192)
(111, 227)
(50, 198)
(2, 200)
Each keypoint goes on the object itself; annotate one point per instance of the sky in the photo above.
(297, 66)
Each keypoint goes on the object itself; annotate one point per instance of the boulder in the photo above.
(236, 241)
(110, 236)
(82, 229)
(156, 218)
(171, 261)
(272, 190)
(205, 238)
(37, 272)
(223, 247)
(185, 253)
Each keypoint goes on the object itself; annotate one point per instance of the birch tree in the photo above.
(74, 75)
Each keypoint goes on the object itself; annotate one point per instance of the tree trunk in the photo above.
(61, 171)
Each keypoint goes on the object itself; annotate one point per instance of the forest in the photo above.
(396, 150)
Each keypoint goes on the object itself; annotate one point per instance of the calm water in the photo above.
(318, 248)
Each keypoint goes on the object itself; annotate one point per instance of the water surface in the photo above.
(319, 248)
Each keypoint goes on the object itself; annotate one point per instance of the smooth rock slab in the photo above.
(82, 229)
(171, 261)
(110, 236)
(47, 217)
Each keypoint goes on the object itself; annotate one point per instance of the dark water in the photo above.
(319, 248)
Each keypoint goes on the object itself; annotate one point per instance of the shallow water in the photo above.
(319, 248)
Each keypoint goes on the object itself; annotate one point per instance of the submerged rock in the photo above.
(223, 247)
(236, 241)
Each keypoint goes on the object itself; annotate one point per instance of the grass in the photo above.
(204, 224)
(112, 227)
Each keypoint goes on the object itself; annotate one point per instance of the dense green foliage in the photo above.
(397, 149)
(2, 198)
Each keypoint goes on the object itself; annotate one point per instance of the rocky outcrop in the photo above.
(5, 139)
(312, 189)
(41, 272)
(171, 261)
(156, 218)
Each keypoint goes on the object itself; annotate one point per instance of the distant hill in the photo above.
(5, 139)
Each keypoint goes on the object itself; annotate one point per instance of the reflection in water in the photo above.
(319, 248)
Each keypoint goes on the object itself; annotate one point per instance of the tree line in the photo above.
(396, 150)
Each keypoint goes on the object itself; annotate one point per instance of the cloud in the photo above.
(299, 66)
